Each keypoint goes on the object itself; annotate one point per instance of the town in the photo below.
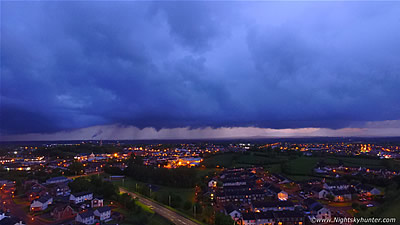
(245, 183)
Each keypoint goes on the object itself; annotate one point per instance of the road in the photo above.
(7, 204)
(172, 216)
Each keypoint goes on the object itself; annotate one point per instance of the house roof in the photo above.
(269, 204)
(364, 187)
(272, 215)
(336, 183)
(265, 215)
(104, 209)
(340, 192)
(230, 208)
(313, 205)
(79, 194)
(249, 216)
(43, 199)
(53, 179)
(86, 214)
(287, 214)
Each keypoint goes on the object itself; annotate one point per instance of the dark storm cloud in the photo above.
(68, 65)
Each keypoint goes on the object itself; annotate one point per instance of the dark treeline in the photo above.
(179, 177)
(96, 185)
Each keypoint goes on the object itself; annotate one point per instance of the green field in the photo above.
(302, 166)
(146, 217)
(160, 192)
(229, 160)
(297, 168)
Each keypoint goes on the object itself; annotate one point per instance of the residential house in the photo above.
(212, 183)
(341, 195)
(280, 194)
(241, 196)
(80, 197)
(86, 217)
(273, 206)
(281, 179)
(103, 213)
(35, 190)
(273, 217)
(59, 189)
(289, 217)
(367, 190)
(319, 192)
(41, 203)
(97, 202)
(338, 185)
(63, 212)
(56, 180)
(233, 212)
(317, 210)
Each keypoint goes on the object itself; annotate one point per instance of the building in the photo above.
(212, 183)
(59, 189)
(280, 194)
(97, 202)
(273, 218)
(338, 185)
(85, 217)
(319, 192)
(41, 203)
(63, 212)
(103, 213)
(367, 190)
(317, 210)
(341, 195)
(273, 206)
(283, 196)
(233, 212)
(289, 217)
(56, 180)
(80, 197)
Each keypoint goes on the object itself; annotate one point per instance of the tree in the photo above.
(76, 168)
(222, 219)
(187, 205)
(80, 184)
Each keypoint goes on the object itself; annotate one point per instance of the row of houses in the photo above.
(82, 207)
(285, 217)
(343, 191)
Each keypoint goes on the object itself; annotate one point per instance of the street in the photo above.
(161, 210)
(8, 205)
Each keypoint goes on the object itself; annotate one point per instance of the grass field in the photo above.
(392, 209)
(186, 194)
(146, 217)
(302, 166)
(229, 160)
(296, 168)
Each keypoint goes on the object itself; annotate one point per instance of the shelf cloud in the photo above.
(132, 70)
